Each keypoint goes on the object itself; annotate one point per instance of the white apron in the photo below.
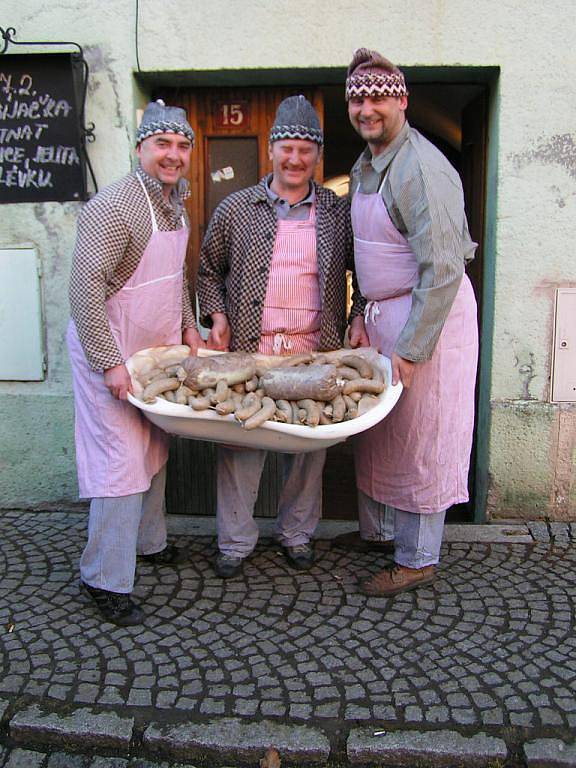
(118, 451)
(417, 458)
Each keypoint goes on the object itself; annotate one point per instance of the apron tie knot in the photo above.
(281, 342)
(371, 312)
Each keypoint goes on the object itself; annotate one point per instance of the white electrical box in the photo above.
(563, 380)
(21, 336)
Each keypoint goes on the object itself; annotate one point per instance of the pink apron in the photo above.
(292, 306)
(118, 451)
(417, 458)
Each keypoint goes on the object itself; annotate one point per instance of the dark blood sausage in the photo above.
(302, 382)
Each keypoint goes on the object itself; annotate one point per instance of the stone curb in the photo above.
(79, 730)
(550, 753)
(233, 739)
(433, 748)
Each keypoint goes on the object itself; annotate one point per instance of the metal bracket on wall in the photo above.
(86, 131)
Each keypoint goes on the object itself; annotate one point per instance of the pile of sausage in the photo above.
(314, 389)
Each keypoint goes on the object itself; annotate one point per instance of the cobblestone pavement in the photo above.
(489, 649)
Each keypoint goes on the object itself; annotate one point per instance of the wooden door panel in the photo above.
(231, 164)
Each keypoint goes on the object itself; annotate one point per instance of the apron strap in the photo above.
(152, 216)
(154, 225)
(383, 180)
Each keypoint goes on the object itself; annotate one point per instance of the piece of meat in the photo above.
(230, 367)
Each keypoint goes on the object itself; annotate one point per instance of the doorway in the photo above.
(232, 126)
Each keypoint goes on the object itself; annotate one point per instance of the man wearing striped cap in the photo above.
(128, 291)
(272, 279)
(411, 244)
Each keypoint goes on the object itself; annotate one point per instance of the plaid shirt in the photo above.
(113, 231)
(235, 261)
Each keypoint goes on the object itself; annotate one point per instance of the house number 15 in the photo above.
(233, 114)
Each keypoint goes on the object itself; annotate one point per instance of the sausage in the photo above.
(157, 387)
(225, 407)
(267, 362)
(338, 409)
(364, 385)
(252, 384)
(284, 407)
(266, 412)
(312, 409)
(182, 394)
(151, 375)
(200, 403)
(232, 367)
(290, 361)
(250, 404)
(295, 412)
(304, 382)
(222, 391)
(351, 408)
(366, 403)
(362, 366)
(346, 372)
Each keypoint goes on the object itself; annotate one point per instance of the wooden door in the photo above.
(231, 147)
(230, 152)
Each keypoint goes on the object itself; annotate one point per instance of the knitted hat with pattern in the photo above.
(158, 118)
(296, 118)
(371, 74)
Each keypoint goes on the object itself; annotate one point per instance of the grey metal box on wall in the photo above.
(563, 379)
(21, 328)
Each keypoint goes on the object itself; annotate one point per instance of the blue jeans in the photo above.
(417, 537)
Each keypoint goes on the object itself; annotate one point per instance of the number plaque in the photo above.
(231, 114)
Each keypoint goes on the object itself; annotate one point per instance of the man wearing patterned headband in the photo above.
(128, 291)
(411, 244)
(272, 279)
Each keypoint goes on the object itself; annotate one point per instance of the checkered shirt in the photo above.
(235, 262)
(113, 231)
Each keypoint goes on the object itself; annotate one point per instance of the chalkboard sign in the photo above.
(40, 146)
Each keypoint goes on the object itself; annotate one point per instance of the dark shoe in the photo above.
(396, 579)
(300, 557)
(352, 541)
(170, 555)
(116, 607)
(228, 566)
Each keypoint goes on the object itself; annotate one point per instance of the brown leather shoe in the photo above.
(397, 578)
(352, 541)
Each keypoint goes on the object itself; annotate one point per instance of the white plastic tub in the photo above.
(287, 438)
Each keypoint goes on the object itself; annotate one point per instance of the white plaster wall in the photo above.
(532, 43)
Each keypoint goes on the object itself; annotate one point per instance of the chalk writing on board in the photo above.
(39, 136)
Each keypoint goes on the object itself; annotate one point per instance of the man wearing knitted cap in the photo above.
(411, 244)
(128, 291)
(272, 279)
